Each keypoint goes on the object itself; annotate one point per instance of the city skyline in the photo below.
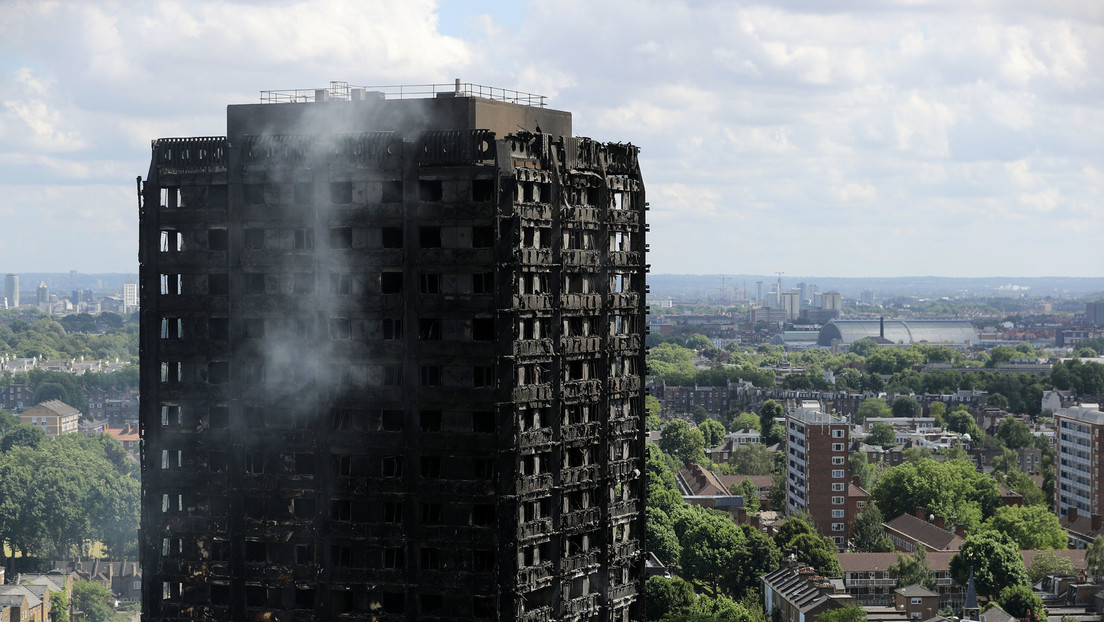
(907, 139)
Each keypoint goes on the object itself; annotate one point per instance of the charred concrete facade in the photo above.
(392, 359)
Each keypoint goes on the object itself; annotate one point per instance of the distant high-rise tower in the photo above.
(1094, 313)
(831, 301)
(130, 296)
(42, 294)
(11, 289)
(391, 364)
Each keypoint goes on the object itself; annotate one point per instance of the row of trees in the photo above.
(59, 494)
(864, 368)
(106, 336)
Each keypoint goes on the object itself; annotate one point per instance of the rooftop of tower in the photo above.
(343, 91)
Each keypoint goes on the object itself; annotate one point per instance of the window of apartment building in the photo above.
(837, 526)
(431, 375)
(391, 466)
(861, 504)
(429, 237)
(392, 375)
(429, 283)
(391, 237)
(304, 239)
(304, 192)
(837, 460)
(837, 487)
(837, 513)
(483, 283)
(341, 284)
(482, 376)
(916, 601)
(430, 466)
(483, 514)
(837, 433)
(253, 239)
(391, 420)
(483, 421)
(392, 512)
(392, 191)
(483, 328)
(837, 446)
(482, 237)
(429, 329)
(391, 282)
(391, 328)
(837, 500)
(254, 283)
(430, 190)
(430, 420)
(837, 473)
(341, 192)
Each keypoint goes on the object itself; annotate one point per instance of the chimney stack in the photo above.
(939, 522)
(1071, 515)
(960, 530)
(1096, 522)
(920, 514)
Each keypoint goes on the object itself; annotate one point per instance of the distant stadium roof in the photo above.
(958, 332)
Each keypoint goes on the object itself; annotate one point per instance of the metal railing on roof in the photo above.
(343, 91)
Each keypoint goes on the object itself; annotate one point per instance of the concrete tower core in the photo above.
(391, 364)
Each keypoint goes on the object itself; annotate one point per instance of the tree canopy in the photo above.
(684, 442)
(913, 570)
(1031, 527)
(995, 559)
(953, 489)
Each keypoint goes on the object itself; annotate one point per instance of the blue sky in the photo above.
(851, 138)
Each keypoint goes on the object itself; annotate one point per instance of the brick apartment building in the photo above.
(817, 470)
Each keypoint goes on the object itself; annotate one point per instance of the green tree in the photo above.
(667, 596)
(881, 434)
(937, 410)
(953, 489)
(49, 391)
(747, 490)
(1047, 563)
(682, 441)
(659, 531)
(763, 557)
(712, 431)
(864, 347)
(995, 559)
(752, 459)
(996, 400)
(871, 408)
(1020, 602)
(698, 341)
(1094, 557)
(745, 421)
(22, 435)
(776, 494)
(96, 601)
(770, 431)
(913, 570)
(700, 414)
(960, 420)
(1015, 433)
(868, 534)
(906, 406)
(712, 549)
(797, 536)
(59, 606)
(852, 613)
(1031, 527)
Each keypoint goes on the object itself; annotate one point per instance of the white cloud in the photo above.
(894, 122)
